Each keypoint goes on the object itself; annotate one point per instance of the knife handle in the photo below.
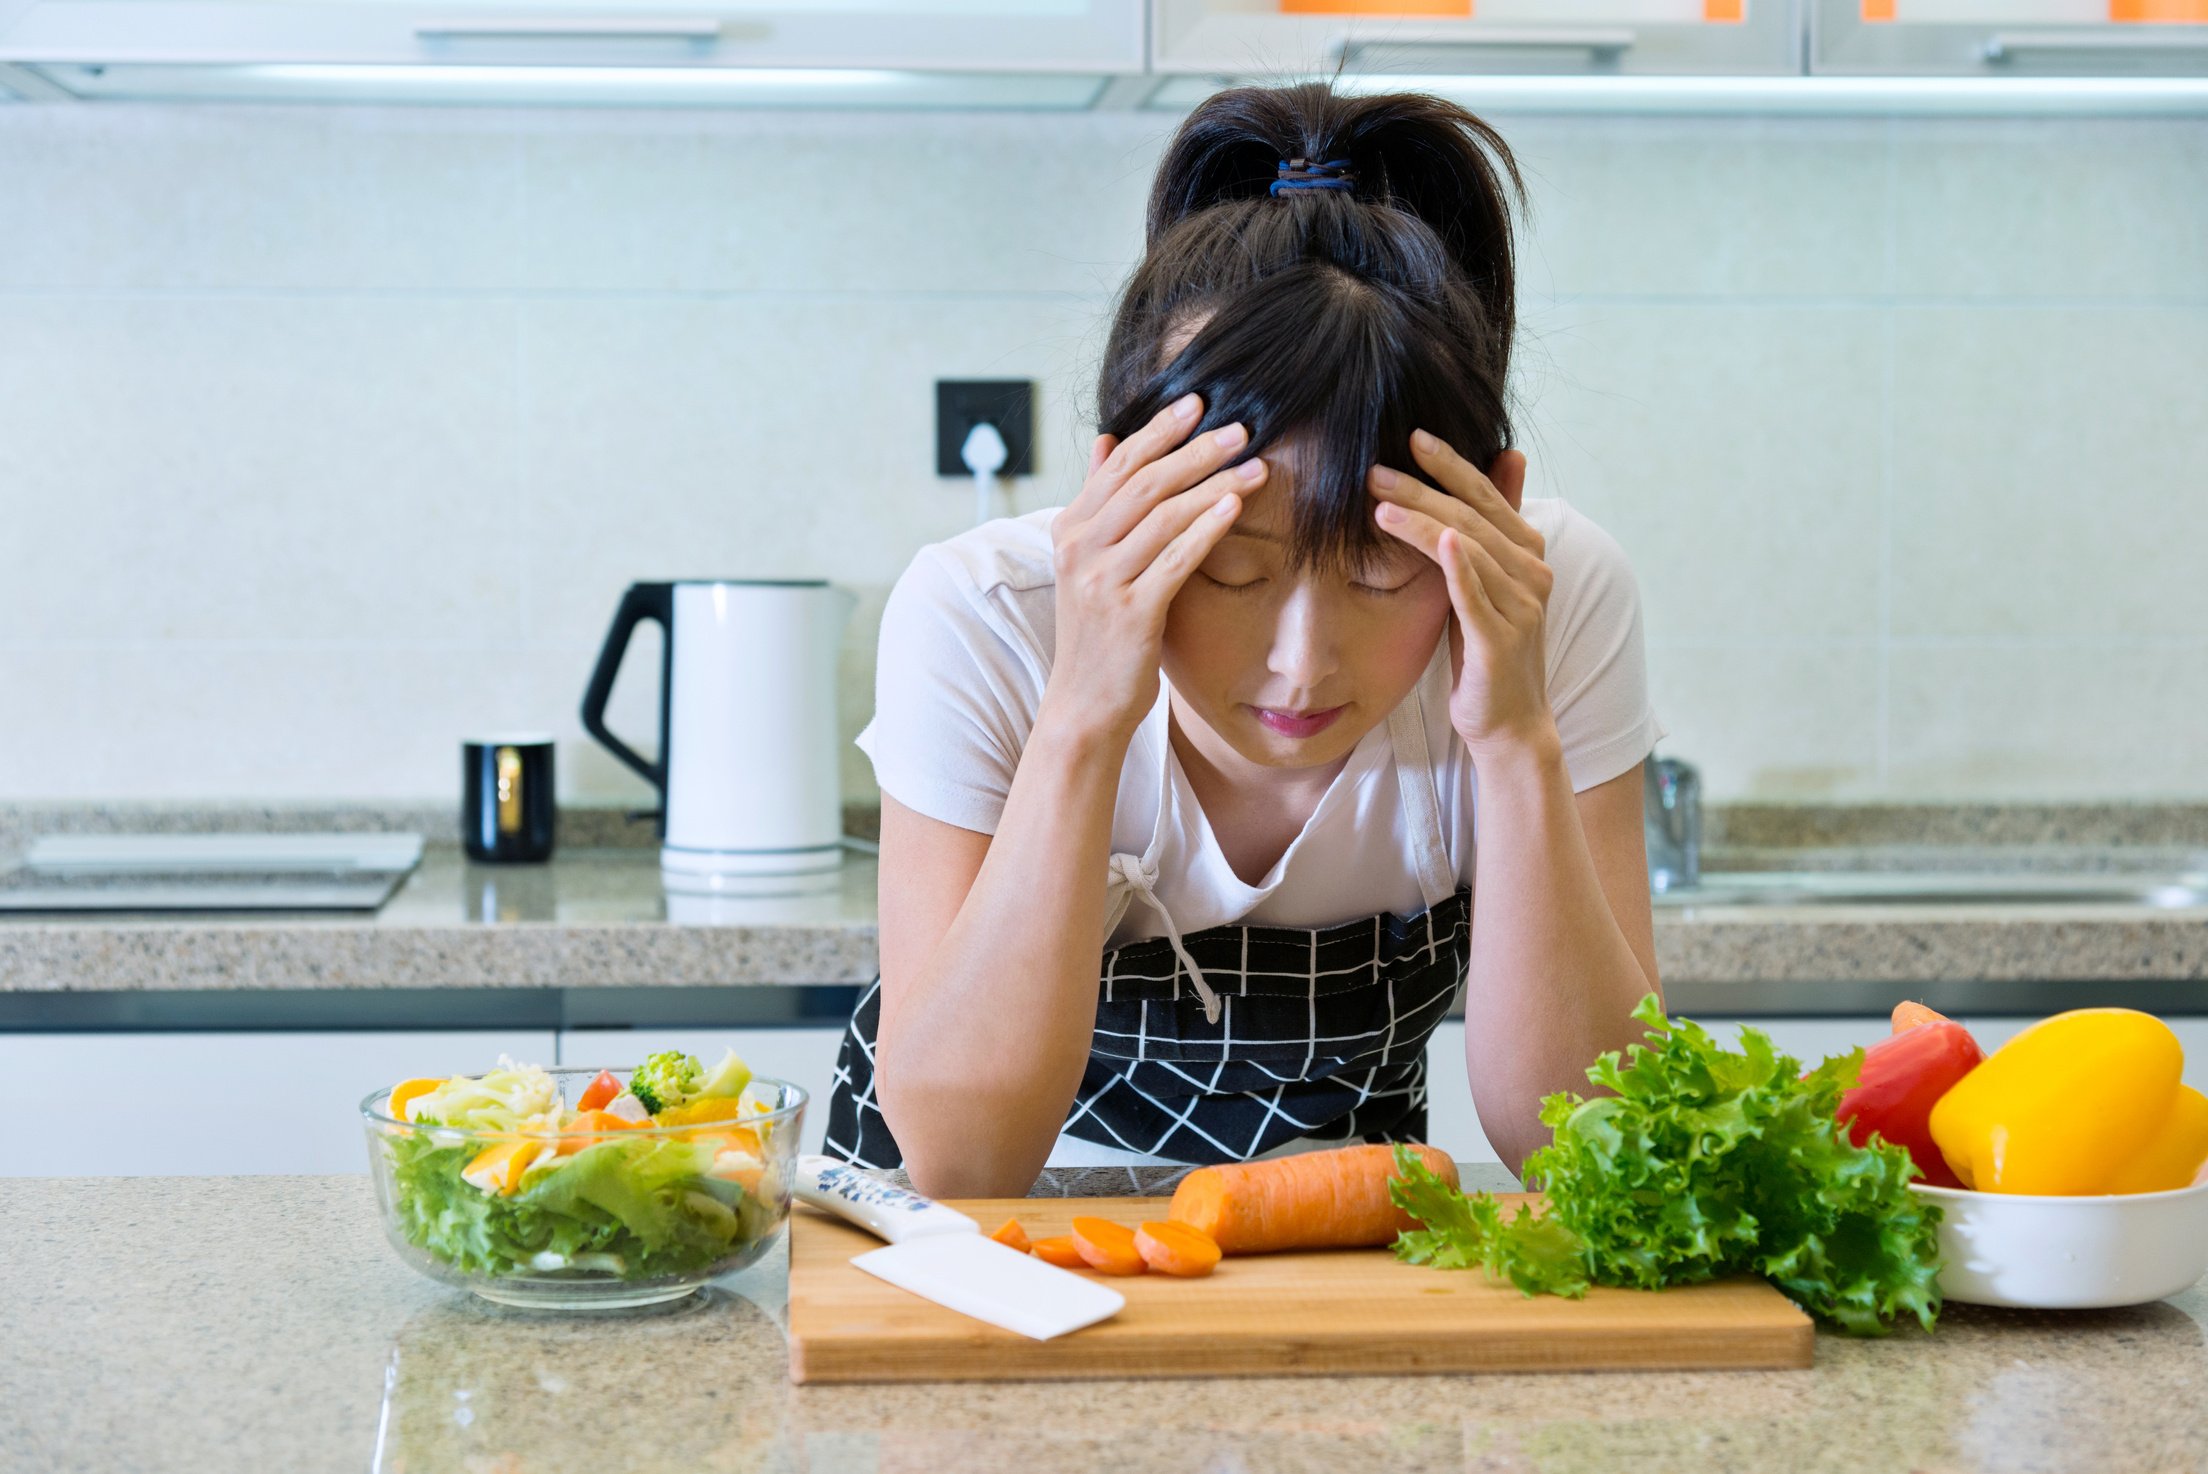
(893, 1214)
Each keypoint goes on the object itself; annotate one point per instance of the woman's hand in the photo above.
(1498, 586)
(1153, 507)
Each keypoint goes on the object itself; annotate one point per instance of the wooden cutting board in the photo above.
(1314, 1314)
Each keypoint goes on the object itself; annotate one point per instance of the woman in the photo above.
(1202, 795)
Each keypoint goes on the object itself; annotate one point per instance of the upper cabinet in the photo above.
(2011, 38)
(1021, 53)
(1487, 37)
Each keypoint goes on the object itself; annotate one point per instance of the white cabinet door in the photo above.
(803, 1056)
(970, 36)
(193, 1104)
(2010, 38)
(1585, 37)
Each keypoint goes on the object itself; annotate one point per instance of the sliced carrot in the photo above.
(1109, 1248)
(405, 1091)
(1314, 1200)
(1058, 1249)
(1908, 1015)
(1176, 1249)
(1012, 1236)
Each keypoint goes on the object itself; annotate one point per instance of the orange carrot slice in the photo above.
(1108, 1247)
(1012, 1236)
(1908, 1015)
(1176, 1249)
(1314, 1200)
(1058, 1249)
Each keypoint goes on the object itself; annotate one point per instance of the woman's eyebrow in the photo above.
(1258, 533)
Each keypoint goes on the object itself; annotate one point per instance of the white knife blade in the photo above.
(939, 1254)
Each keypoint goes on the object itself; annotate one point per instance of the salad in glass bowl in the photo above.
(585, 1189)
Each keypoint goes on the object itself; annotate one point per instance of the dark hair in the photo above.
(1342, 318)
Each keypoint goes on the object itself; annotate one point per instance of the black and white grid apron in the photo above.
(1235, 1040)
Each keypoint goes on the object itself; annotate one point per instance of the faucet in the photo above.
(1671, 813)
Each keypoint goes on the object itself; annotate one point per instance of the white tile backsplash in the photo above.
(327, 435)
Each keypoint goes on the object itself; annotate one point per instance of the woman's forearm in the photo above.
(981, 1050)
(1552, 977)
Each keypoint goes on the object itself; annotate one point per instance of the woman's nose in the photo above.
(1303, 652)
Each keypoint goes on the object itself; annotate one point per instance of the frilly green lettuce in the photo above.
(1701, 1162)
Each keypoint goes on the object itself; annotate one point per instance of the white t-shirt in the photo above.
(967, 639)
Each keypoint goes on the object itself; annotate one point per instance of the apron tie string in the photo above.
(1128, 870)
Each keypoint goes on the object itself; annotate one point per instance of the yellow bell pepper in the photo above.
(2175, 1155)
(2085, 1102)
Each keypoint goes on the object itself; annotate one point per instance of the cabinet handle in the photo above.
(2005, 44)
(567, 30)
(1593, 42)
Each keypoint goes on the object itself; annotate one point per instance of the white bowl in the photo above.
(2070, 1253)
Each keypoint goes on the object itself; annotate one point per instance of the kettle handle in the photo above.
(642, 601)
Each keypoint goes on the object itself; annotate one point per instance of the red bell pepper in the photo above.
(1904, 1076)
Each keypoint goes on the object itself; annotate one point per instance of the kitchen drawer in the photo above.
(804, 1056)
(212, 1104)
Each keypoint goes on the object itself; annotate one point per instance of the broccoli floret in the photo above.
(667, 1078)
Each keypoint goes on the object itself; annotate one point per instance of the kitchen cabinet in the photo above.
(1427, 37)
(2010, 38)
(192, 1104)
(803, 1056)
(839, 53)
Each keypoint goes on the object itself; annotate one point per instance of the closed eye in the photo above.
(1232, 588)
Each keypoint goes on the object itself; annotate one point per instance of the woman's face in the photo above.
(1291, 669)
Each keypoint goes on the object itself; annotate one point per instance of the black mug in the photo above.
(506, 803)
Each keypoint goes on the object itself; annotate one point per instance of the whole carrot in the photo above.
(1315, 1200)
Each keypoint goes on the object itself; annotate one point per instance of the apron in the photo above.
(1237, 1042)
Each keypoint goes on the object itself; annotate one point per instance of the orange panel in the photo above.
(1724, 9)
(1878, 9)
(1376, 7)
(2158, 11)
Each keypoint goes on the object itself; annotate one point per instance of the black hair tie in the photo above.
(1303, 174)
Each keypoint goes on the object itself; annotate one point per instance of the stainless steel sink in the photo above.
(1946, 888)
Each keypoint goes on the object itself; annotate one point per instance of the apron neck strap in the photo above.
(1414, 776)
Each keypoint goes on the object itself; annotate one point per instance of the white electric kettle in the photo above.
(748, 741)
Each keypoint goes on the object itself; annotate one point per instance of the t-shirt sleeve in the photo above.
(954, 698)
(1598, 668)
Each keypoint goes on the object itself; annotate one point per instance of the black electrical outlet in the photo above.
(961, 404)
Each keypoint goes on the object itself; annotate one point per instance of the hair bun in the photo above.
(1410, 151)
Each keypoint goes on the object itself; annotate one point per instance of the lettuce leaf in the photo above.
(650, 1205)
(1701, 1162)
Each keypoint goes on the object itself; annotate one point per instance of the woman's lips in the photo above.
(1298, 723)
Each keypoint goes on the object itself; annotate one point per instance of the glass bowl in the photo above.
(621, 1218)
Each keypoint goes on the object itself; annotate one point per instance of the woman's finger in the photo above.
(1387, 485)
(1445, 545)
(1166, 477)
(1469, 484)
(1167, 428)
(1504, 590)
(1169, 518)
(1178, 559)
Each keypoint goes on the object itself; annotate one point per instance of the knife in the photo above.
(939, 1254)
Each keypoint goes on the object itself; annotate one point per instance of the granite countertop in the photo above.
(588, 918)
(599, 918)
(187, 1324)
